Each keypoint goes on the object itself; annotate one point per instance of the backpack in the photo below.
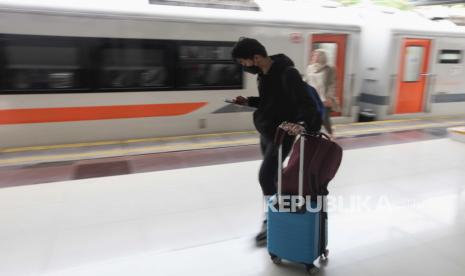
(312, 93)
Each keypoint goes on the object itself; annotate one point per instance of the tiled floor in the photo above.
(400, 211)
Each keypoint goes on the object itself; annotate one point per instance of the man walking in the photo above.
(282, 98)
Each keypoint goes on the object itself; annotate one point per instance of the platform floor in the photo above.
(402, 212)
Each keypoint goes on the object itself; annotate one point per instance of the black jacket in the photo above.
(282, 97)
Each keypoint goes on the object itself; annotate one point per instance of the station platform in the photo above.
(135, 147)
(399, 209)
(35, 165)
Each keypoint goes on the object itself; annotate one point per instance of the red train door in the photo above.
(335, 46)
(412, 75)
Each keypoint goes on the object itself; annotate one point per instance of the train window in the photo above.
(43, 64)
(209, 75)
(207, 65)
(205, 53)
(134, 65)
(413, 63)
(42, 67)
(450, 56)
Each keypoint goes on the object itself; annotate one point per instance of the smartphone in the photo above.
(229, 101)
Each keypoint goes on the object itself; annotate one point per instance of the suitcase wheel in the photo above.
(312, 269)
(324, 256)
(326, 253)
(275, 259)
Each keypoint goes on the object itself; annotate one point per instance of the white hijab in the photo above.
(316, 75)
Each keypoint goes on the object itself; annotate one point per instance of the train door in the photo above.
(412, 75)
(335, 47)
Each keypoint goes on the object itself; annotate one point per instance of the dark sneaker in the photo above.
(260, 238)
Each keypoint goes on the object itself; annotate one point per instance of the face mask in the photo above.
(252, 69)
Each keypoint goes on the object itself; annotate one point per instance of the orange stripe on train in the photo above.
(87, 113)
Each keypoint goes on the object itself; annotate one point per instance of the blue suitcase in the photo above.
(299, 236)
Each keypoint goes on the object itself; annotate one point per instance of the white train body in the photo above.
(386, 66)
(59, 109)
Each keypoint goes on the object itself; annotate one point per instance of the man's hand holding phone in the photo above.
(239, 100)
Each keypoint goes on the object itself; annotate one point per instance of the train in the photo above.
(85, 71)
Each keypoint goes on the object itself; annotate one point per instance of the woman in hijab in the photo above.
(323, 78)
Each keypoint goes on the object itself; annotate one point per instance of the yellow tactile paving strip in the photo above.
(459, 130)
(90, 150)
(115, 142)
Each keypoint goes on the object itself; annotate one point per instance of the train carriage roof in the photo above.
(405, 22)
(271, 12)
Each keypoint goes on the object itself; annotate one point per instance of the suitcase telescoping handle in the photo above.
(280, 134)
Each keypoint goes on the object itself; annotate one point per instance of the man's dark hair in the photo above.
(246, 48)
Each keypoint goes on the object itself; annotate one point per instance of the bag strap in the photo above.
(330, 78)
(284, 83)
(323, 225)
(327, 78)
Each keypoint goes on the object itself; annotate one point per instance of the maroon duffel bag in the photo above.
(322, 158)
